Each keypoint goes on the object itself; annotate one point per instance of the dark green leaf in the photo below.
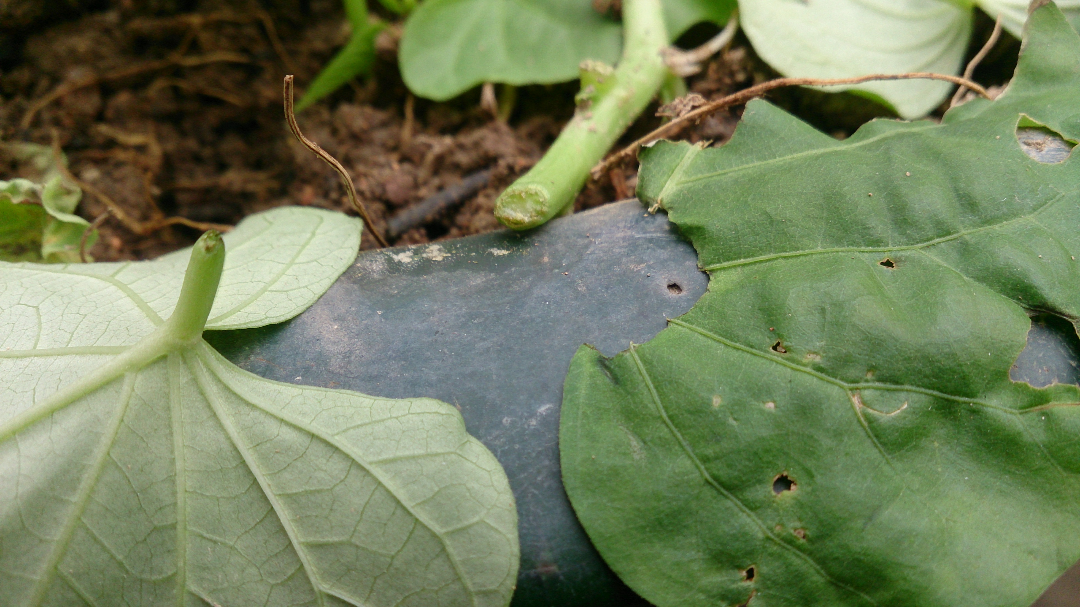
(679, 15)
(834, 422)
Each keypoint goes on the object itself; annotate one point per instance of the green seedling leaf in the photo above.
(847, 38)
(355, 59)
(356, 12)
(37, 222)
(142, 468)
(21, 221)
(450, 46)
(833, 423)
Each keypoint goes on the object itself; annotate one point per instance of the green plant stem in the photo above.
(357, 13)
(507, 101)
(672, 88)
(551, 186)
(400, 7)
(200, 286)
(354, 59)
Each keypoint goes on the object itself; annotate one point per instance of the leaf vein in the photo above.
(888, 249)
(712, 482)
(211, 395)
(206, 352)
(285, 267)
(82, 495)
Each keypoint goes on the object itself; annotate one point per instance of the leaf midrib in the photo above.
(285, 267)
(853, 389)
(199, 371)
(818, 151)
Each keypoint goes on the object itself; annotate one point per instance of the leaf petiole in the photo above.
(186, 324)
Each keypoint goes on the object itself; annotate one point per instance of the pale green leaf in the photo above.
(450, 46)
(143, 471)
(21, 221)
(279, 262)
(1014, 12)
(63, 234)
(833, 423)
(848, 38)
(60, 200)
(62, 240)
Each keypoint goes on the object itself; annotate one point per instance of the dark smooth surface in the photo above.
(490, 323)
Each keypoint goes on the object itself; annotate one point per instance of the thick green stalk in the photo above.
(602, 116)
(200, 286)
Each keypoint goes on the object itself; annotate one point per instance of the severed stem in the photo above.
(290, 116)
(609, 101)
(200, 287)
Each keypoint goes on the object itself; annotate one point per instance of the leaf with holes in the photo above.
(834, 422)
(139, 467)
(450, 46)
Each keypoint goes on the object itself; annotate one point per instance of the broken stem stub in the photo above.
(609, 101)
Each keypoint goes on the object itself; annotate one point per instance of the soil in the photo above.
(173, 108)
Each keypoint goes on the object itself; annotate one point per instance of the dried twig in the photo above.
(408, 125)
(272, 35)
(290, 116)
(184, 85)
(488, 102)
(970, 69)
(747, 94)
